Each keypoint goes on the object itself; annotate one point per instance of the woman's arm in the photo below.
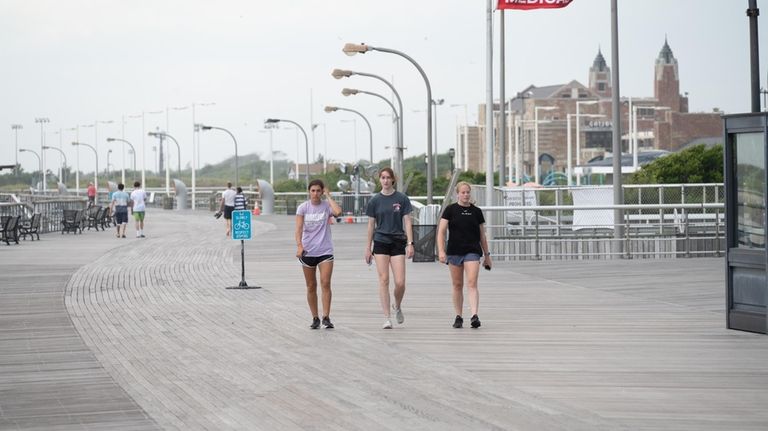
(335, 208)
(369, 239)
(408, 225)
(442, 228)
(484, 245)
(297, 235)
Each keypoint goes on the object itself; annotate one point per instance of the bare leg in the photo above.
(311, 280)
(326, 270)
(398, 271)
(457, 281)
(382, 267)
(472, 269)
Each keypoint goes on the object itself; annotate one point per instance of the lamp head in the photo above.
(110, 139)
(355, 48)
(46, 147)
(271, 121)
(75, 143)
(451, 152)
(21, 150)
(349, 91)
(341, 73)
(204, 127)
(438, 101)
(330, 109)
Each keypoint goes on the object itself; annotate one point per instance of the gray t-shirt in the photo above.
(388, 212)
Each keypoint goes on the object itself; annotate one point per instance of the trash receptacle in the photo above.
(424, 242)
(290, 207)
(167, 202)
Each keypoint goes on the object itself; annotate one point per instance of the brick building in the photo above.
(662, 122)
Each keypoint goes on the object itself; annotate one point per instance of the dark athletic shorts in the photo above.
(228, 212)
(313, 261)
(121, 217)
(390, 249)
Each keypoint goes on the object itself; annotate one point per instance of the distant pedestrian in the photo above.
(390, 241)
(138, 206)
(314, 247)
(91, 191)
(228, 205)
(119, 207)
(467, 245)
(241, 202)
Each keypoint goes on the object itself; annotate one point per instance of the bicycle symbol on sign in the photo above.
(242, 225)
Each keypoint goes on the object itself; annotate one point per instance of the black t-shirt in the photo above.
(463, 229)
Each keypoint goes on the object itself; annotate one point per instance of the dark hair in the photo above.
(390, 172)
(316, 182)
(229, 184)
(137, 183)
(239, 189)
(120, 186)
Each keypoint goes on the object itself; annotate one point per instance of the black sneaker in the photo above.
(315, 323)
(475, 321)
(327, 323)
(459, 322)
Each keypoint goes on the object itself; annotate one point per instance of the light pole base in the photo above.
(243, 285)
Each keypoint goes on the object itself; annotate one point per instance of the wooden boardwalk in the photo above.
(102, 333)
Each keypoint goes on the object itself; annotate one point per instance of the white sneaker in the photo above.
(399, 315)
(387, 324)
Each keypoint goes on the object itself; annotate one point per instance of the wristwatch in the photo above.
(410, 243)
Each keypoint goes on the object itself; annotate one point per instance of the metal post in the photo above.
(618, 196)
(754, 55)
(489, 106)
(502, 133)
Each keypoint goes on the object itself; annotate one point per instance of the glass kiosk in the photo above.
(746, 140)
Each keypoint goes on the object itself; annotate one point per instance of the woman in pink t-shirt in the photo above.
(314, 247)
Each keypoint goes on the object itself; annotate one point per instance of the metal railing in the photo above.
(587, 231)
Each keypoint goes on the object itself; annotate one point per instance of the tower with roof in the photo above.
(666, 81)
(600, 76)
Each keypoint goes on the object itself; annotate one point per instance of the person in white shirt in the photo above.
(228, 205)
(138, 207)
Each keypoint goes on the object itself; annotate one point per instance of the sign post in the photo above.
(241, 230)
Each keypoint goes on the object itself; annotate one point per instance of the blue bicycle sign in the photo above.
(241, 225)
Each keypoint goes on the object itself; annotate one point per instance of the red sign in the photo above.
(532, 4)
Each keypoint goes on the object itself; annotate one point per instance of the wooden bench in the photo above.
(31, 227)
(9, 229)
(72, 221)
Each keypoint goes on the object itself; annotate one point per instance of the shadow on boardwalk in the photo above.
(141, 334)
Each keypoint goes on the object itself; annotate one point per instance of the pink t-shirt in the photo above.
(316, 237)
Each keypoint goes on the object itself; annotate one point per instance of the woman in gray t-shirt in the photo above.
(390, 232)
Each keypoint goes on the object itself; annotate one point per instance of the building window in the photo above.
(599, 139)
(601, 86)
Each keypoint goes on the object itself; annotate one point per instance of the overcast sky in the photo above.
(80, 61)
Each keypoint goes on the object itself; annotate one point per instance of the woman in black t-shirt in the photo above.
(467, 244)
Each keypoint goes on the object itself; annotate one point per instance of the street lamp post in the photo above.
(109, 152)
(568, 143)
(16, 128)
(353, 91)
(133, 150)
(48, 147)
(519, 167)
(161, 136)
(578, 133)
(352, 49)
(96, 171)
(462, 149)
(39, 160)
(306, 140)
(338, 74)
(42, 121)
(237, 163)
(451, 155)
(330, 109)
(536, 110)
(325, 145)
(435, 104)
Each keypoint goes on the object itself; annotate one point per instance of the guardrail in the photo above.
(587, 231)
